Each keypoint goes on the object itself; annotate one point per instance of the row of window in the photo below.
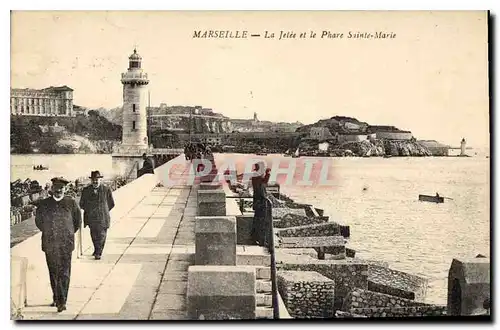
(34, 101)
(37, 110)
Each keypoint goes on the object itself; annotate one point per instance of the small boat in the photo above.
(387, 156)
(432, 199)
(40, 168)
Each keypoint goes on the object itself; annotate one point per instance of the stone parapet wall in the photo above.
(417, 311)
(306, 294)
(396, 283)
(295, 220)
(359, 298)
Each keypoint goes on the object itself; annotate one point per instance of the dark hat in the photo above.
(95, 174)
(59, 181)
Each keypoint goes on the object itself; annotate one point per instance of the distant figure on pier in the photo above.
(58, 217)
(148, 166)
(437, 195)
(96, 202)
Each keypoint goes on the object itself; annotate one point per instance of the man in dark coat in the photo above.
(259, 228)
(148, 166)
(96, 202)
(58, 217)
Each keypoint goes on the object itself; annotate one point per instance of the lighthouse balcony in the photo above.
(135, 77)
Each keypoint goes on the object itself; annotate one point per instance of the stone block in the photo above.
(468, 286)
(263, 312)
(264, 299)
(263, 273)
(280, 212)
(294, 220)
(417, 311)
(208, 178)
(396, 283)
(215, 240)
(211, 196)
(359, 298)
(253, 256)
(211, 202)
(321, 229)
(263, 286)
(244, 229)
(346, 275)
(307, 294)
(210, 185)
(334, 245)
(221, 292)
(350, 253)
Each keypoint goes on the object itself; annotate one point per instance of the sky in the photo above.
(432, 78)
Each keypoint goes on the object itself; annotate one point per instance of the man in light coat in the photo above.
(96, 201)
(58, 217)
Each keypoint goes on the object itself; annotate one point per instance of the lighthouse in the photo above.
(127, 155)
(135, 98)
(462, 147)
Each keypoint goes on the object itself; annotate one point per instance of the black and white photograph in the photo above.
(248, 165)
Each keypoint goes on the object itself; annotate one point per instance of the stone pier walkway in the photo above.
(143, 271)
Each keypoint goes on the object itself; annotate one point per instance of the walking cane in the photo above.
(80, 243)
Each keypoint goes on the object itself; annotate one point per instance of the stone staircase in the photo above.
(260, 258)
(264, 298)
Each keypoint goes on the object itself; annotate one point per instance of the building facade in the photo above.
(48, 102)
(356, 137)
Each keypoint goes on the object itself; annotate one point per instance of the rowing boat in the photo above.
(433, 199)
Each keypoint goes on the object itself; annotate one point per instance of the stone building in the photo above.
(352, 137)
(51, 101)
(320, 133)
(401, 135)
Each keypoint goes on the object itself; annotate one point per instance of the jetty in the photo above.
(185, 252)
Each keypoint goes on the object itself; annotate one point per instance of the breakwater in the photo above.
(319, 276)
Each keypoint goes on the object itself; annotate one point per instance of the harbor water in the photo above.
(377, 197)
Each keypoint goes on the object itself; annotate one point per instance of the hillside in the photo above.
(92, 133)
(112, 115)
(336, 124)
(341, 127)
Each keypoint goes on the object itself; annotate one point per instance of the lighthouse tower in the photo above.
(127, 155)
(135, 98)
(462, 147)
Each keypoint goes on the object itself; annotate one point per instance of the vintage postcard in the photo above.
(221, 165)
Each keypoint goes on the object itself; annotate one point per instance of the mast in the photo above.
(149, 117)
(190, 123)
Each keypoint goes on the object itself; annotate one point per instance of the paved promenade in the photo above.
(143, 271)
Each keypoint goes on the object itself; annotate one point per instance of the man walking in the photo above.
(58, 217)
(96, 202)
